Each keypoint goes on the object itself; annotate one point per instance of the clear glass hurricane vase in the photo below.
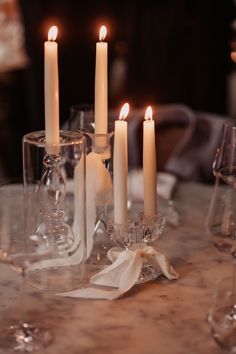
(99, 186)
(220, 317)
(55, 196)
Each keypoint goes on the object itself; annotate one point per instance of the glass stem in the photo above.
(22, 296)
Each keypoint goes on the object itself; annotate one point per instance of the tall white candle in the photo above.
(51, 94)
(120, 167)
(149, 165)
(101, 102)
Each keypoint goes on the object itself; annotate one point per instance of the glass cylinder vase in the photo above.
(99, 186)
(55, 209)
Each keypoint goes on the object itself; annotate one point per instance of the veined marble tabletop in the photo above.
(164, 317)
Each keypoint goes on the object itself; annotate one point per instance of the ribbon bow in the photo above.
(124, 272)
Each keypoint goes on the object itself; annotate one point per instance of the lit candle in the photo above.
(149, 164)
(101, 105)
(51, 94)
(120, 167)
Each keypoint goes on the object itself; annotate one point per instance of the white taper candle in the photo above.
(51, 92)
(120, 167)
(101, 100)
(149, 164)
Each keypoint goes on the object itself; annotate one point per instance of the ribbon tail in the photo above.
(93, 293)
(126, 268)
(132, 272)
(162, 261)
(110, 276)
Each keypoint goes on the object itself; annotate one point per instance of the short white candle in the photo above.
(101, 101)
(51, 94)
(120, 167)
(149, 165)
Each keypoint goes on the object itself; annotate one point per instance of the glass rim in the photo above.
(230, 122)
(82, 107)
(38, 138)
(86, 131)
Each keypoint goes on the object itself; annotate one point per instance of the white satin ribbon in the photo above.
(124, 272)
(98, 192)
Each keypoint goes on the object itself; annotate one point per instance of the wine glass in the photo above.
(221, 219)
(18, 252)
(221, 322)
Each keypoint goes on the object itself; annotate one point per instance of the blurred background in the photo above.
(174, 54)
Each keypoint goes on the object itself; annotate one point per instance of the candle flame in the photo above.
(102, 33)
(148, 113)
(124, 111)
(52, 33)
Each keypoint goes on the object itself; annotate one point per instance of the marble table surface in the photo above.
(166, 317)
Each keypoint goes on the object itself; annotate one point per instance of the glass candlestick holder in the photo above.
(136, 235)
(55, 202)
(150, 227)
(124, 235)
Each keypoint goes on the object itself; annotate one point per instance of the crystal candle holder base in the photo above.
(124, 235)
(133, 234)
(150, 227)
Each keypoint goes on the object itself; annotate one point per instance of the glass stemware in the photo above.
(17, 253)
(221, 219)
(221, 322)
